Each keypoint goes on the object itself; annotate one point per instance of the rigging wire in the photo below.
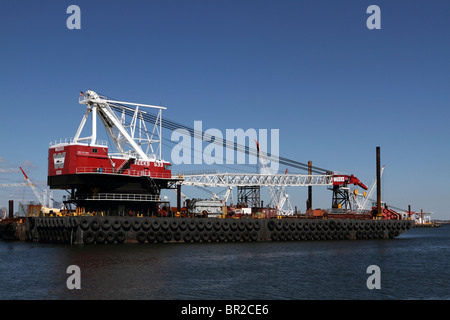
(172, 125)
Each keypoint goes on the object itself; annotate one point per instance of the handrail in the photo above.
(121, 197)
(72, 141)
(127, 172)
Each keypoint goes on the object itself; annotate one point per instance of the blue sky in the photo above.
(311, 69)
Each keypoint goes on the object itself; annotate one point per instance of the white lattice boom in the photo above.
(263, 180)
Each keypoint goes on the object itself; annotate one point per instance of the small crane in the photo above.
(33, 187)
(42, 200)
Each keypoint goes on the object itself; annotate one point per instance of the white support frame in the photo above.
(250, 179)
(279, 196)
(124, 137)
(271, 181)
(359, 201)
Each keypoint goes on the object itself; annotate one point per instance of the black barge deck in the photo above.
(117, 230)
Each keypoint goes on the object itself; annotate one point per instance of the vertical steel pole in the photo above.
(178, 198)
(11, 209)
(378, 183)
(160, 134)
(309, 187)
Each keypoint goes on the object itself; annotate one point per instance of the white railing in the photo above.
(127, 172)
(71, 141)
(121, 197)
(197, 172)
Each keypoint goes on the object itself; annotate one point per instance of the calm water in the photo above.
(416, 265)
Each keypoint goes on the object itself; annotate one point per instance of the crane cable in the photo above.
(172, 126)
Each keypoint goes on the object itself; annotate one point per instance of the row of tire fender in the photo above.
(334, 235)
(331, 235)
(90, 237)
(309, 235)
(173, 225)
(53, 235)
(205, 236)
(138, 224)
(55, 222)
(205, 225)
(111, 229)
(101, 237)
(280, 225)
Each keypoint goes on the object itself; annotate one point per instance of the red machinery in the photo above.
(341, 194)
(387, 214)
(344, 180)
(130, 178)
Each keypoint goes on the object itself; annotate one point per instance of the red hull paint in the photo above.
(68, 159)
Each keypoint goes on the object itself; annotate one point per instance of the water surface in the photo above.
(415, 265)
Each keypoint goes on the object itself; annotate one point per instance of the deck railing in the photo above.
(121, 197)
(127, 172)
(98, 142)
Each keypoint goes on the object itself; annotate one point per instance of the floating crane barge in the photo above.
(118, 195)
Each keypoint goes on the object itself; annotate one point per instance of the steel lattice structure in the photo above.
(249, 179)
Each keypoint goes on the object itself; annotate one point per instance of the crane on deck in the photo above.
(129, 140)
(41, 198)
(341, 190)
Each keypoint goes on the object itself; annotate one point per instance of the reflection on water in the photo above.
(413, 266)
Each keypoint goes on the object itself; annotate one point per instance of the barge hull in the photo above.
(117, 230)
